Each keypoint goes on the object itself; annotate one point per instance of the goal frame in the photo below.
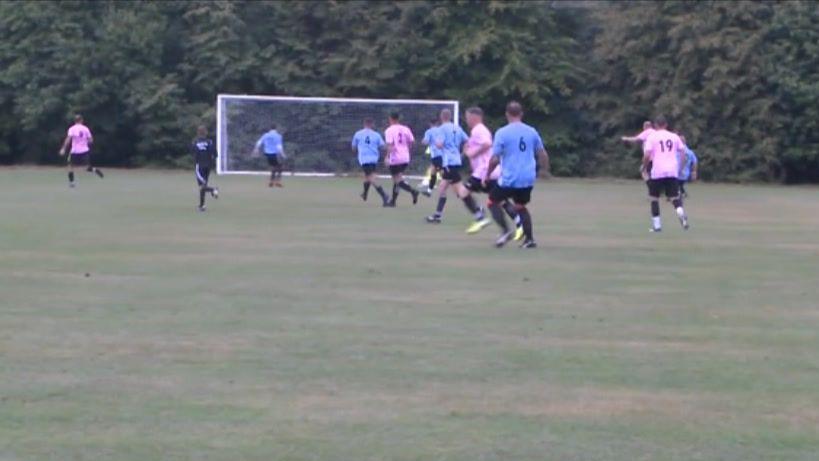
(222, 160)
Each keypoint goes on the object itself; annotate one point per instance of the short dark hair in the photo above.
(273, 126)
(660, 121)
(446, 113)
(514, 109)
(368, 121)
(201, 130)
(434, 121)
(78, 118)
(475, 110)
(395, 115)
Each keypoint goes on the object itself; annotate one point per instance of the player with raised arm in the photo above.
(514, 149)
(689, 170)
(399, 141)
(272, 145)
(204, 154)
(648, 128)
(665, 152)
(367, 144)
(449, 138)
(434, 157)
(80, 139)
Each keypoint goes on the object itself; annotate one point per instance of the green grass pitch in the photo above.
(303, 324)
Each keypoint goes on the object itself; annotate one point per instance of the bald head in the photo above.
(446, 115)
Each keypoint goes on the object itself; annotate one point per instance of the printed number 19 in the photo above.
(666, 145)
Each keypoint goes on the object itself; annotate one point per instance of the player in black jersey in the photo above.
(204, 154)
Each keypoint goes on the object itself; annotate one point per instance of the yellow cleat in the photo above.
(478, 226)
(519, 233)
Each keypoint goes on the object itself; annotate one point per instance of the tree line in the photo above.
(737, 78)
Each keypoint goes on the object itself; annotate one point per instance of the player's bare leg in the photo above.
(435, 218)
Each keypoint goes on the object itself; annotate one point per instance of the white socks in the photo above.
(656, 223)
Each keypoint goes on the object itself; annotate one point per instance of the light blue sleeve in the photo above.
(354, 144)
(260, 141)
(694, 159)
(538, 142)
(381, 142)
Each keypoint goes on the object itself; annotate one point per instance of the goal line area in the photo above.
(316, 131)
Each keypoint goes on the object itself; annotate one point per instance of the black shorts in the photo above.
(369, 168)
(520, 195)
(438, 162)
(476, 185)
(669, 186)
(398, 169)
(83, 159)
(452, 174)
(272, 160)
(202, 175)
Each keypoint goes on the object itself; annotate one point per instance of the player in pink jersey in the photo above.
(478, 149)
(665, 152)
(80, 139)
(399, 141)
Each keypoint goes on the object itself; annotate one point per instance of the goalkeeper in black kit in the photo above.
(204, 154)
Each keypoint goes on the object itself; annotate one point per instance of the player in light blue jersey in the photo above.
(450, 139)
(689, 170)
(434, 155)
(368, 145)
(271, 145)
(514, 149)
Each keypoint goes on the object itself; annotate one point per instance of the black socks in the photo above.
(526, 222)
(655, 208)
(366, 189)
(70, 176)
(500, 219)
(470, 204)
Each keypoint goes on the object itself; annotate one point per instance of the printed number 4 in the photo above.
(367, 139)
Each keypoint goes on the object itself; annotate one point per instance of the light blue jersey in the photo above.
(429, 140)
(270, 143)
(367, 143)
(690, 161)
(452, 138)
(516, 145)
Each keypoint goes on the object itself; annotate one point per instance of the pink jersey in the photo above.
(399, 138)
(663, 148)
(644, 135)
(80, 138)
(480, 136)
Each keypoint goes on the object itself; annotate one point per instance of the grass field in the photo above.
(303, 324)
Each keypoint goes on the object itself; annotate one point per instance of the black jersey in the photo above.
(204, 152)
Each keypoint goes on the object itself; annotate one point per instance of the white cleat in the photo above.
(503, 238)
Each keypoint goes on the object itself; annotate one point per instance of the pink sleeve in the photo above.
(410, 136)
(644, 135)
(388, 136)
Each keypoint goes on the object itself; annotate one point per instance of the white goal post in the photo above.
(317, 131)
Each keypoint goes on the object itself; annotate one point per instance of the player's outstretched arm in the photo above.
(494, 161)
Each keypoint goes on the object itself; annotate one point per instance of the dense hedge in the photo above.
(738, 78)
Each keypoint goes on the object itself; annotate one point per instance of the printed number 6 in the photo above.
(522, 144)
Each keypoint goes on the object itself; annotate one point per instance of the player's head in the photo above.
(435, 121)
(474, 116)
(201, 131)
(446, 115)
(394, 117)
(514, 111)
(368, 122)
(78, 118)
(648, 124)
(660, 122)
(273, 126)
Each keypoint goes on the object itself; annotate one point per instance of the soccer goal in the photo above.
(317, 131)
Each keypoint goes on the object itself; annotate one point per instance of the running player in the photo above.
(689, 169)
(514, 149)
(80, 139)
(204, 154)
(399, 140)
(272, 145)
(449, 138)
(435, 156)
(367, 144)
(665, 151)
(648, 128)
(479, 149)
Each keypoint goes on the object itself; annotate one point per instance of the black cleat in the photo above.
(363, 196)
(434, 219)
(528, 244)
(415, 195)
(99, 173)
(215, 193)
(389, 204)
(503, 238)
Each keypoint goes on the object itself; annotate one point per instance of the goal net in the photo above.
(317, 132)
